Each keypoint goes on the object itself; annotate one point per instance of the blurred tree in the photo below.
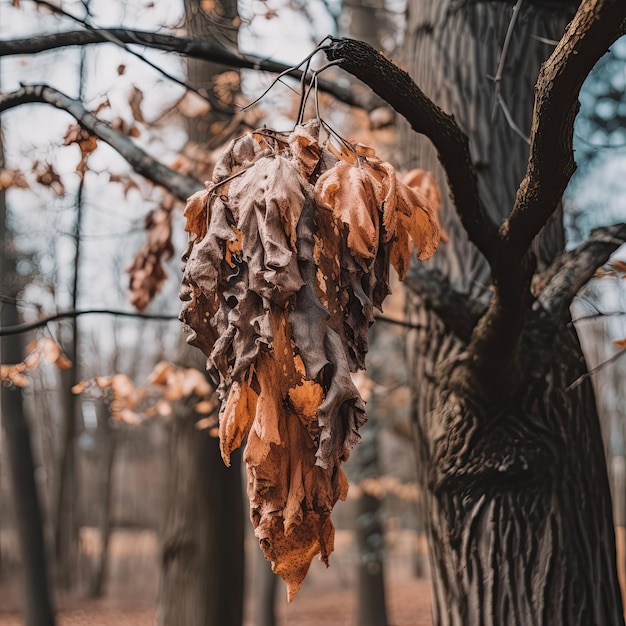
(37, 601)
(203, 565)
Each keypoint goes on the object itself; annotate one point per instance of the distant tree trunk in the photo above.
(106, 443)
(202, 556)
(37, 604)
(67, 525)
(203, 567)
(264, 586)
(370, 540)
(514, 479)
(366, 20)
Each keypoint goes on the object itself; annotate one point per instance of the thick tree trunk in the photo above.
(515, 492)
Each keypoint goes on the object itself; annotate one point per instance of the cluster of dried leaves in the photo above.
(289, 252)
(133, 405)
(46, 350)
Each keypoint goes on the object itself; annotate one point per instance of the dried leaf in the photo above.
(135, 98)
(288, 254)
(12, 178)
(346, 190)
(193, 105)
(85, 141)
(78, 388)
(147, 273)
(46, 175)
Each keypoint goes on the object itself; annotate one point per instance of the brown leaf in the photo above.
(46, 175)
(135, 98)
(280, 282)
(12, 178)
(347, 191)
(425, 183)
(620, 343)
(193, 105)
(147, 273)
(85, 141)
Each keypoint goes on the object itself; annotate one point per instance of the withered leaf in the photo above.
(289, 252)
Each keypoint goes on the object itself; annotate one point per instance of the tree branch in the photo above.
(197, 49)
(55, 317)
(597, 24)
(180, 186)
(574, 269)
(456, 310)
(44, 321)
(397, 88)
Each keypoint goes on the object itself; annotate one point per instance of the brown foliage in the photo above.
(288, 254)
(147, 273)
(44, 349)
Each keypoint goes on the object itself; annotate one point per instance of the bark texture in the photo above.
(515, 486)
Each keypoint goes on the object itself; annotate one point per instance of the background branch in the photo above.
(55, 317)
(597, 24)
(179, 185)
(44, 321)
(194, 48)
(574, 269)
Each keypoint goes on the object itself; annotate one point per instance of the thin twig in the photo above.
(24, 328)
(114, 40)
(583, 377)
(503, 54)
(44, 321)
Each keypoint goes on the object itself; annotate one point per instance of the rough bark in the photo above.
(515, 484)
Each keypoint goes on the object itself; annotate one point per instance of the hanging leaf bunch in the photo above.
(288, 255)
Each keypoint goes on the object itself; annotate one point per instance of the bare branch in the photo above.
(55, 317)
(573, 270)
(456, 310)
(595, 27)
(397, 88)
(44, 321)
(180, 186)
(194, 48)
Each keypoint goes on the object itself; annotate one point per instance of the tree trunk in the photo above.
(106, 442)
(516, 495)
(36, 596)
(371, 603)
(202, 555)
(203, 559)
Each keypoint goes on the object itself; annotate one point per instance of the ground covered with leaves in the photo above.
(328, 595)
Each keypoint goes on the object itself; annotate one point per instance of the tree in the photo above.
(509, 536)
(511, 457)
(36, 595)
(202, 556)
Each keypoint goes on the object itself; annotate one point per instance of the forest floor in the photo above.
(327, 596)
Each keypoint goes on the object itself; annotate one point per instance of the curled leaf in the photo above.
(288, 254)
